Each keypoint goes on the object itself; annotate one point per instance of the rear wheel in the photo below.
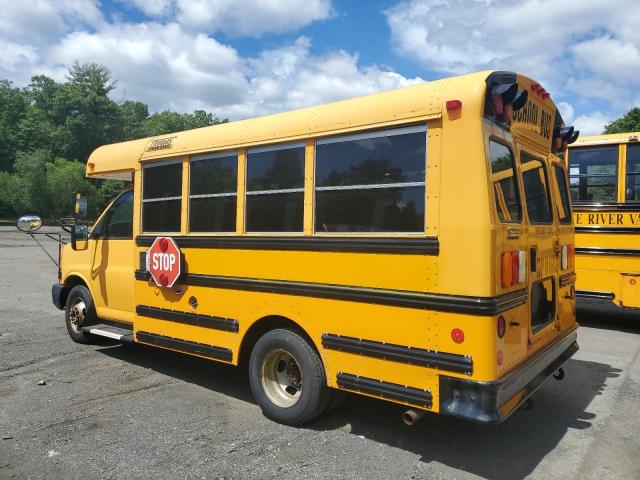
(79, 312)
(287, 378)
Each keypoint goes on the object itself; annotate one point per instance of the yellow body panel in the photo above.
(460, 213)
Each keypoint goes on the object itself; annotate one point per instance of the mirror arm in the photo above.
(50, 235)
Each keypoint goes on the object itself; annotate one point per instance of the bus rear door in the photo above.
(543, 244)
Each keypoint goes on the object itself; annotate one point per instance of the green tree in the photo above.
(161, 123)
(13, 106)
(629, 122)
(134, 117)
(72, 119)
(63, 177)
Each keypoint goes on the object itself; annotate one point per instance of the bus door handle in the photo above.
(513, 232)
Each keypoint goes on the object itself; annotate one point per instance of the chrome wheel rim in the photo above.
(77, 312)
(281, 378)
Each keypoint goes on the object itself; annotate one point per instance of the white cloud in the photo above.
(160, 64)
(611, 58)
(166, 66)
(36, 22)
(567, 112)
(250, 18)
(290, 77)
(592, 123)
(154, 8)
(589, 48)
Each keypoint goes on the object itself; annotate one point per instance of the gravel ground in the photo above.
(126, 411)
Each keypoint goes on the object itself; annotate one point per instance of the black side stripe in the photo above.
(399, 298)
(626, 230)
(188, 318)
(427, 358)
(605, 207)
(625, 252)
(409, 246)
(595, 295)
(388, 390)
(211, 351)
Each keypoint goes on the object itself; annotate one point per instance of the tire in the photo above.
(76, 317)
(287, 378)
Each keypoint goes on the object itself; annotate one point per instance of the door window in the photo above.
(536, 189)
(564, 208)
(117, 223)
(505, 185)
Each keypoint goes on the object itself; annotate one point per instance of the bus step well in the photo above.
(122, 334)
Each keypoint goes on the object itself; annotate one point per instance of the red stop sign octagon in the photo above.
(164, 261)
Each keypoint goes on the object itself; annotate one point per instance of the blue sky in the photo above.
(241, 58)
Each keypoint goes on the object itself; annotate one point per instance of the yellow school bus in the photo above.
(604, 173)
(406, 246)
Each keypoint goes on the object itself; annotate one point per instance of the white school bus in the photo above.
(409, 246)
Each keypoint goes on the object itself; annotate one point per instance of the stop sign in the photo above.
(164, 261)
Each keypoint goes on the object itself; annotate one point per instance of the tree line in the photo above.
(48, 129)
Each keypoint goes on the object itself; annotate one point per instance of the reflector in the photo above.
(457, 335)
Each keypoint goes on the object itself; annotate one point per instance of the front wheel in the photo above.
(79, 312)
(287, 378)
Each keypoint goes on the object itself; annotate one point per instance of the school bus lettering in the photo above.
(305, 248)
(607, 218)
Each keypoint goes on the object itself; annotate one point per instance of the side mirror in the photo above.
(79, 237)
(79, 205)
(29, 223)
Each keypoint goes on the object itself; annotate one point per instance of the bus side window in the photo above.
(371, 182)
(504, 179)
(633, 173)
(212, 193)
(161, 196)
(275, 188)
(593, 173)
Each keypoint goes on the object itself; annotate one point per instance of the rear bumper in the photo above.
(493, 402)
(59, 295)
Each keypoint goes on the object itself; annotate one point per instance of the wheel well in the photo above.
(265, 325)
(71, 282)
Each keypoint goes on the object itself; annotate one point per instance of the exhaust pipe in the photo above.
(411, 416)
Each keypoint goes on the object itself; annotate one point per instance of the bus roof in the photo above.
(385, 109)
(628, 137)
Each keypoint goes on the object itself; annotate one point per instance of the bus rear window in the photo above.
(564, 209)
(593, 173)
(633, 173)
(536, 189)
(505, 187)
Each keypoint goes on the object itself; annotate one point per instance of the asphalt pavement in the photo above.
(127, 411)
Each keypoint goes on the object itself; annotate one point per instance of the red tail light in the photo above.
(513, 268)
